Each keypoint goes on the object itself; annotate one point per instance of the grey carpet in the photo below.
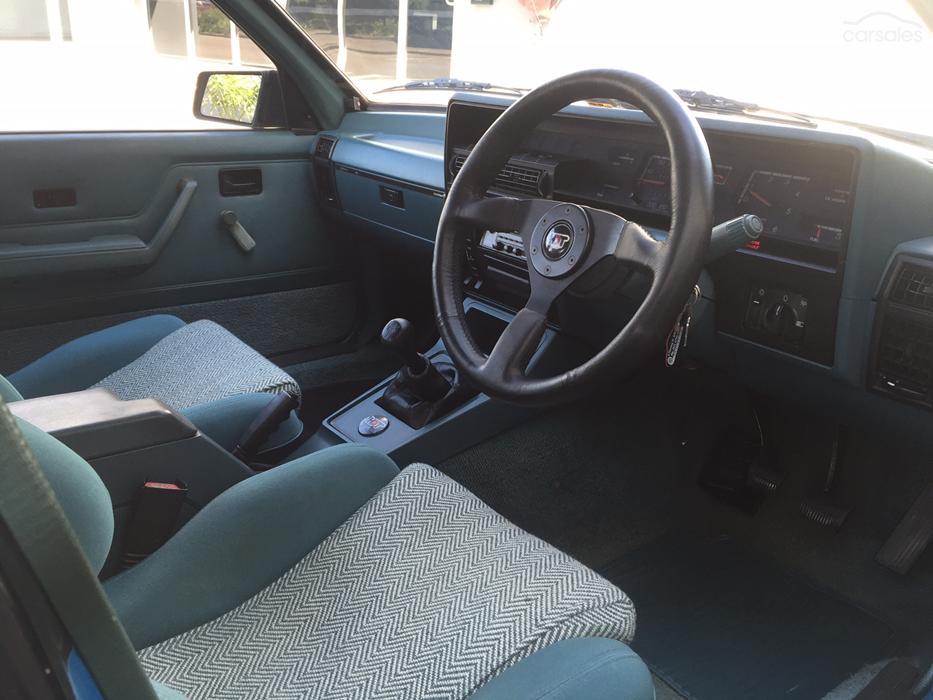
(719, 621)
(273, 324)
(594, 479)
(600, 478)
(880, 475)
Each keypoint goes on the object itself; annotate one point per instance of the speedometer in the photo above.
(653, 188)
(775, 197)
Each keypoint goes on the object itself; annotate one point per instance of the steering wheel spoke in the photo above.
(505, 214)
(510, 356)
(638, 247)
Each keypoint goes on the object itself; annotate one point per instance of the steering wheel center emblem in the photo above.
(558, 240)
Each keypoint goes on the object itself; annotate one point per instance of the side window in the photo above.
(123, 65)
(378, 41)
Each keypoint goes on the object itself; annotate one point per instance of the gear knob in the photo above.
(399, 335)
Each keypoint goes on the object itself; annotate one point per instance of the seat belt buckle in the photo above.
(155, 519)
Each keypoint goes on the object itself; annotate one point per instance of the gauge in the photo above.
(825, 235)
(837, 195)
(721, 174)
(653, 188)
(822, 233)
(775, 197)
(621, 157)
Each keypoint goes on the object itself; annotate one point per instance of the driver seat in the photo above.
(336, 576)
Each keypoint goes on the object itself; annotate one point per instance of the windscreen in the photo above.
(866, 61)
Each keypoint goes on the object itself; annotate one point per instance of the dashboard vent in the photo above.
(914, 287)
(905, 358)
(324, 147)
(902, 358)
(512, 178)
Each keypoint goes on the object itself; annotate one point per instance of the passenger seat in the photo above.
(199, 369)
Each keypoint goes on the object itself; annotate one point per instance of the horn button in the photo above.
(560, 240)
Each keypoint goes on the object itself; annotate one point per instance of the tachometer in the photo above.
(653, 188)
(775, 197)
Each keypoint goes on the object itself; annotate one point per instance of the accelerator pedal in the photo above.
(911, 536)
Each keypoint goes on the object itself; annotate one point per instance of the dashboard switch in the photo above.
(777, 313)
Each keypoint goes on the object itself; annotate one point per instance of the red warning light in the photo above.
(754, 245)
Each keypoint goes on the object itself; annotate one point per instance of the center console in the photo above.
(470, 418)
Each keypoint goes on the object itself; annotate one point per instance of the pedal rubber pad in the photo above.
(911, 536)
(823, 512)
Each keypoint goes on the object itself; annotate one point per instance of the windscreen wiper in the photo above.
(453, 85)
(705, 102)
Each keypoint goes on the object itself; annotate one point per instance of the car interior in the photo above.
(596, 390)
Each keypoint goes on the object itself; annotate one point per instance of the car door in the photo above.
(116, 200)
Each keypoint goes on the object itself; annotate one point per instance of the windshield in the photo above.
(867, 61)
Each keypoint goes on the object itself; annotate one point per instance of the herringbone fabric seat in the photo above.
(425, 592)
(196, 364)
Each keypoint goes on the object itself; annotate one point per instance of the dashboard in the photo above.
(783, 292)
(833, 306)
(802, 192)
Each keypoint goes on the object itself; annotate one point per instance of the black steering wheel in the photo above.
(562, 241)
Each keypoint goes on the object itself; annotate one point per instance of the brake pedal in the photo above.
(911, 537)
(822, 509)
(823, 512)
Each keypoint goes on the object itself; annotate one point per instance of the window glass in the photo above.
(114, 65)
(858, 60)
(23, 20)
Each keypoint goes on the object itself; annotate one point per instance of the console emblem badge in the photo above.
(373, 425)
(558, 240)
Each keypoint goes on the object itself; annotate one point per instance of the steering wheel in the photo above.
(563, 241)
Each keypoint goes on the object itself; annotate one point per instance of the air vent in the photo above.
(512, 178)
(323, 169)
(914, 287)
(904, 359)
(324, 147)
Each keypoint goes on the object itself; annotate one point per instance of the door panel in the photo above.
(125, 185)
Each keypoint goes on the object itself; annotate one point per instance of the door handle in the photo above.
(240, 235)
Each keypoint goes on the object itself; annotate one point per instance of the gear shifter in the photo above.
(422, 391)
(418, 380)
(398, 334)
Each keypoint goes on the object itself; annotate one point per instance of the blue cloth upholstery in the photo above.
(224, 421)
(592, 668)
(77, 365)
(87, 361)
(243, 540)
(78, 488)
(8, 392)
(253, 534)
